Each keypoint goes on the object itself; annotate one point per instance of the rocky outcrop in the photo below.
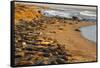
(33, 49)
(75, 18)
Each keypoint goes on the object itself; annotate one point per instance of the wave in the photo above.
(88, 13)
(52, 13)
(82, 15)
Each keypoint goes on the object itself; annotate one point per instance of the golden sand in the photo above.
(81, 49)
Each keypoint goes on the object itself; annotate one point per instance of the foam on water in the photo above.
(88, 13)
(51, 13)
(82, 15)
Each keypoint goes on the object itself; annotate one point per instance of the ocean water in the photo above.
(86, 15)
(89, 32)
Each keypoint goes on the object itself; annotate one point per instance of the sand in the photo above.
(81, 49)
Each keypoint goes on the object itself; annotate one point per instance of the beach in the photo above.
(81, 49)
(50, 40)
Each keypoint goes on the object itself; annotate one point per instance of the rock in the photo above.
(23, 43)
(39, 62)
(51, 54)
(29, 52)
(40, 53)
(39, 33)
(25, 63)
(19, 54)
(70, 23)
(46, 62)
(60, 28)
(53, 62)
(46, 55)
(46, 50)
(52, 23)
(75, 18)
(53, 48)
(40, 39)
(29, 49)
(18, 49)
(52, 31)
(77, 30)
(60, 61)
(45, 43)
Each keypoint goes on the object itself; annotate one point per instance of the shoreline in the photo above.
(61, 33)
(80, 45)
(86, 38)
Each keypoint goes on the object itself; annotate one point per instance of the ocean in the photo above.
(89, 32)
(86, 15)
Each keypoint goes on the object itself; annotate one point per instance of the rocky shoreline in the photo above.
(33, 49)
(41, 40)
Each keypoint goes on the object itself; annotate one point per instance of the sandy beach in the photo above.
(50, 40)
(80, 48)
